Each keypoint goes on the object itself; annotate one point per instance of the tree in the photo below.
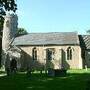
(6, 5)
(88, 31)
(21, 31)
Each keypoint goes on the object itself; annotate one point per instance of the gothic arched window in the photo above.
(50, 54)
(34, 53)
(69, 53)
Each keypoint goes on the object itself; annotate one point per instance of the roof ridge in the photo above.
(49, 32)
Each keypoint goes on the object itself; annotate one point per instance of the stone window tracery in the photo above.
(34, 53)
(69, 53)
(50, 54)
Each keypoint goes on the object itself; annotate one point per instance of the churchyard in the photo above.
(74, 80)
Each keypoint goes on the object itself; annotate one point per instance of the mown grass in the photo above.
(74, 80)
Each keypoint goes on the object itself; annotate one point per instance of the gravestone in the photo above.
(57, 72)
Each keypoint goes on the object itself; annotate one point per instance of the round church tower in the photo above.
(9, 31)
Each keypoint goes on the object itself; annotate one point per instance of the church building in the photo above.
(55, 50)
(52, 50)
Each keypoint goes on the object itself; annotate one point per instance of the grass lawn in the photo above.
(75, 80)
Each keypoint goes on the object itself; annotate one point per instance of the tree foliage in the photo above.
(6, 5)
(88, 31)
(21, 31)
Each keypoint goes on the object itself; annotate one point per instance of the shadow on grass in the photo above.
(73, 81)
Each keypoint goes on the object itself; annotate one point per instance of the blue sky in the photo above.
(54, 15)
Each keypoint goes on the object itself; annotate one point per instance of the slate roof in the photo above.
(52, 38)
(84, 41)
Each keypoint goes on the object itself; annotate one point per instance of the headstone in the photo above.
(51, 72)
